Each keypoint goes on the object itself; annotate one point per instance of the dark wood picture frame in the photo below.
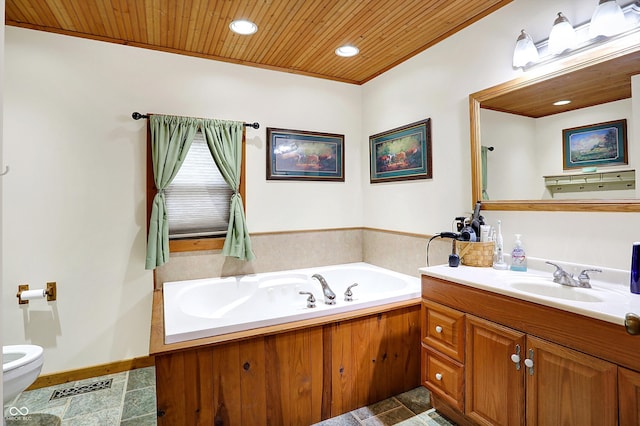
(602, 144)
(403, 153)
(304, 155)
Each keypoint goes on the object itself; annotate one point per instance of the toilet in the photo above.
(21, 365)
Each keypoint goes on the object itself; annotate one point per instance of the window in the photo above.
(197, 200)
(198, 197)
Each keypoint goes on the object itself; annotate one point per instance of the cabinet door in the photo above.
(629, 388)
(494, 382)
(566, 387)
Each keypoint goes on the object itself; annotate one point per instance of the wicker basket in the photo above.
(475, 254)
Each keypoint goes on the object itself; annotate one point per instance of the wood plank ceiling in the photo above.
(297, 36)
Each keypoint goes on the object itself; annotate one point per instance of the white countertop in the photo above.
(609, 299)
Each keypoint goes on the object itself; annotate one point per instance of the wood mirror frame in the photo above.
(610, 63)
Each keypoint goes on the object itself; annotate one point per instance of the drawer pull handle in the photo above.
(438, 329)
(438, 376)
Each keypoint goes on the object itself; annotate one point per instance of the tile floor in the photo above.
(129, 398)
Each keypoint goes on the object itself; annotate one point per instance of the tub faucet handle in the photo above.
(311, 301)
(348, 294)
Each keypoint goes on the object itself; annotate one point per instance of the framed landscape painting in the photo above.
(403, 153)
(302, 155)
(602, 144)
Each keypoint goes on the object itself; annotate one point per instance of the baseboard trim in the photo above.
(94, 371)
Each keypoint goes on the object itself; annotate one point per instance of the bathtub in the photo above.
(208, 307)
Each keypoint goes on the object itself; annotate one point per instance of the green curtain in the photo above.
(224, 139)
(171, 138)
(483, 155)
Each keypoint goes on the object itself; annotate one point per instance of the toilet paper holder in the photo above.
(50, 292)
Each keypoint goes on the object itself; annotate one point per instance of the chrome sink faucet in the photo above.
(563, 277)
(329, 295)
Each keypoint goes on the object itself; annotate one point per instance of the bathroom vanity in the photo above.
(501, 347)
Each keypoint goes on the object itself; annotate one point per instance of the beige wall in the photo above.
(399, 252)
(274, 252)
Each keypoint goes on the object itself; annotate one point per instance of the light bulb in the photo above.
(607, 20)
(243, 26)
(562, 37)
(525, 51)
(347, 51)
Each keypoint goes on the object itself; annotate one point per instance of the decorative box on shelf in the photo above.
(593, 181)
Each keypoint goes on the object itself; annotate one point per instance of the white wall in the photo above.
(1, 161)
(437, 84)
(511, 167)
(74, 202)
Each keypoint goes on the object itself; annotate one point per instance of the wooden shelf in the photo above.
(595, 181)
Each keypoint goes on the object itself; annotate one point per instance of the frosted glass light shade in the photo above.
(607, 20)
(525, 51)
(563, 36)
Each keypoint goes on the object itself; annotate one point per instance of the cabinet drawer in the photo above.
(443, 329)
(444, 377)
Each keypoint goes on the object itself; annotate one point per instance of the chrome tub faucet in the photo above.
(329, 295)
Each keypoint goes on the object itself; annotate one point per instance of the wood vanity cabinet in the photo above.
(525, 363)
(562, 386)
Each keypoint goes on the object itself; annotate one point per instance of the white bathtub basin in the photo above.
(209, 307)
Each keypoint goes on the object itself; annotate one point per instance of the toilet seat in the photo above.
(20, 355)
(21, 366)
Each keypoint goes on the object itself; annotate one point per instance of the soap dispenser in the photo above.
(518, 256)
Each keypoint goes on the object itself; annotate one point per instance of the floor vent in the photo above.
(78, 390)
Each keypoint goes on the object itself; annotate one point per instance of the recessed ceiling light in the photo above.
(243, 26)
(347, 51)
(563, 102)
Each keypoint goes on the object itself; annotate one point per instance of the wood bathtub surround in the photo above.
(292, 374)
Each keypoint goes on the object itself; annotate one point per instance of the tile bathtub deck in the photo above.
(130, 399)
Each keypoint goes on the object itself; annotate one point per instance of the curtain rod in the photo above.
(138, 116)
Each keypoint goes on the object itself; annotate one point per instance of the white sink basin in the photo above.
(609, 299)
(556, 291)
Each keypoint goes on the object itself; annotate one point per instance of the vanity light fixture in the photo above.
(243, 27)
(607, 20)
(562, 102)
(563, 36)
(347, 51)
(525, 52)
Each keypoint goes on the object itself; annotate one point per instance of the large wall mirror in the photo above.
(517, 134)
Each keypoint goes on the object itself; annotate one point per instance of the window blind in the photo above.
(198, 198)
